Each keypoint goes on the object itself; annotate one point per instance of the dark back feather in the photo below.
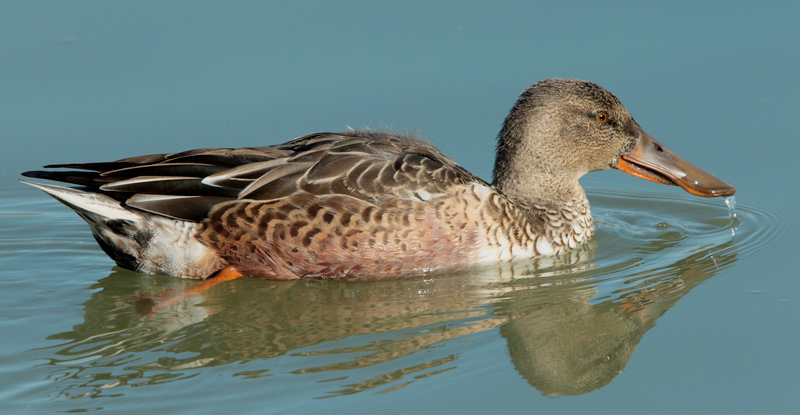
(370, 166)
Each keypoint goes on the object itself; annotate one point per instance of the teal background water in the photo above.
(673, 307)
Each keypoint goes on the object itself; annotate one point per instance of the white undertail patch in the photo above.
(138, 240)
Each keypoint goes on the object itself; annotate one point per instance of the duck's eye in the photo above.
(601, 117)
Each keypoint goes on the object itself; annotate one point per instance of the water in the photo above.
(563, 326)
(679, 304)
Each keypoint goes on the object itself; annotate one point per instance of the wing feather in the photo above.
(371, 166)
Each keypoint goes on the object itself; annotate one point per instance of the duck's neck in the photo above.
(543, 185)
(538, 189)
(526, 170)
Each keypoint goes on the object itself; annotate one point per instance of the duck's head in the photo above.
(561, 129)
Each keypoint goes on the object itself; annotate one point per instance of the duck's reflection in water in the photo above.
(571, 326)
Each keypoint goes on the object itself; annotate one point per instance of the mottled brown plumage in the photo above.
(359, 203)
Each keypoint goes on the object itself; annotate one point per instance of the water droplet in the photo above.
(731, 202)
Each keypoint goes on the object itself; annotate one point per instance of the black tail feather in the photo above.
(81, 178)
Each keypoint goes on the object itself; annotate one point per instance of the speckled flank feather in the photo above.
(335, 235)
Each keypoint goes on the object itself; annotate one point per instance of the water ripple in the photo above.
(571, 322)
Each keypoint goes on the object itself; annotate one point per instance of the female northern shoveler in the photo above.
(362, 203)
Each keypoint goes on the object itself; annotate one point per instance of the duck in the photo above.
(363, 203)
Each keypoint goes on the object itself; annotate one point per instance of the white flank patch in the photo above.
(544, 247)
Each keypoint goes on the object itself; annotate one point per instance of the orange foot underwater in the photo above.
(152, 303)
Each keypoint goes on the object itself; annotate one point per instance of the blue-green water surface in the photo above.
(673, 307)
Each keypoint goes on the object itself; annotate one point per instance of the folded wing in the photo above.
(369, 166)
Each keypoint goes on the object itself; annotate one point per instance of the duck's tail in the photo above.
(138, 240)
